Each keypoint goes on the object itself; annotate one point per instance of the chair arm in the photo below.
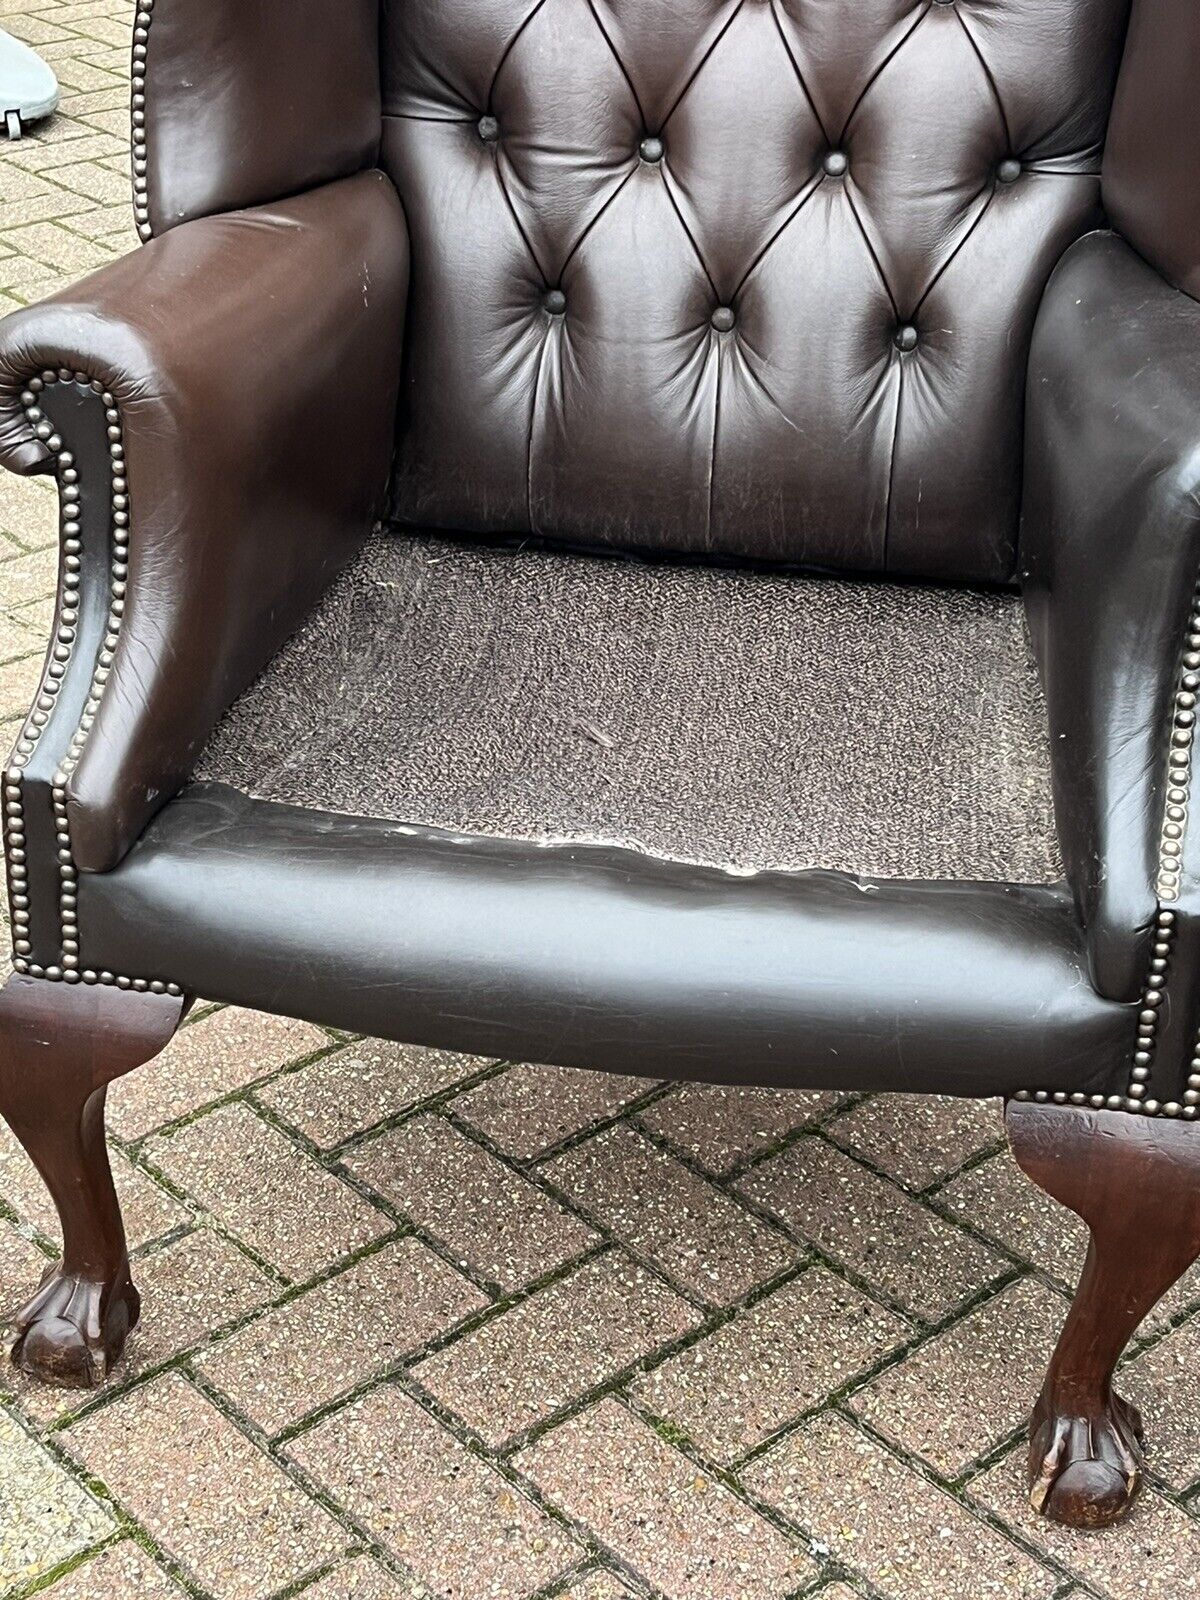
(1110, 554)
(219, 408)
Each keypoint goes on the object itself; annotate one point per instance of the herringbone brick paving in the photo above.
(514, 1332)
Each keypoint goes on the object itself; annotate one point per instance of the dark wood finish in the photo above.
(61, 1045)
(1135, 1181)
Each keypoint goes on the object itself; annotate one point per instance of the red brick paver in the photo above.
(335, 1336)
(655, 1509)
(870, 1226)
(287, 1208)
(488, 1217)
(450, 1518)
(698, 1236)
(785, 1354)
(844, 1488)
(179, 1465)
(607, 1314)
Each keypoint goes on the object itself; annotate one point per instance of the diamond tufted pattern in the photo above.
(754, 277)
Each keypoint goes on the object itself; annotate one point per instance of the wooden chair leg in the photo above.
(61, 1045)
(1135, 1181)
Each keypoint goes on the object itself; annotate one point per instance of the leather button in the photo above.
(905, 337)
(555, 302)
(651, 150)
(1009, 171)
(488, 129)
(836, 163)
(723, 319)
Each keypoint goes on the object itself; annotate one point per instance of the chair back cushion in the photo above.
(741, 277)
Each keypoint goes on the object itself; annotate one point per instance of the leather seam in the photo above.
(601, 211)
(990, 76)
(520, 226)
(690, 237)
(989, 196)
(872, 252)
(891, 480)
(880, 70)
(800, 79)
(703, 61)
(621, 67)
(716, 433)
(806, 194)
(509, 48)
(534, 407)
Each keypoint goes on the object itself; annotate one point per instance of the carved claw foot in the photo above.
(61, 1045)
(1085, 1471)
(1135, 1181)
(72, 1332)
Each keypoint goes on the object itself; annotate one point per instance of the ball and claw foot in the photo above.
(61, 1045)
(1085, 1471)
(73, 1331)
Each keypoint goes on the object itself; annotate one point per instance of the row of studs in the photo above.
(1166, 888)
(1191, 1095)
(1179, 761)
(60, 655)
(1178, 794)
(141, 163)
(1143, 1058)
(1153, 995)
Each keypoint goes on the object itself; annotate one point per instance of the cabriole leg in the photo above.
(61, 1045)
(1135, 1181)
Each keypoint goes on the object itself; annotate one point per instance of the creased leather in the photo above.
(250, 100)
(254, 361)
(1152, 157)
(1111, 552)
(600, 957)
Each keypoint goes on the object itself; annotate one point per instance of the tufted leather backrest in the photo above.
(753, 277)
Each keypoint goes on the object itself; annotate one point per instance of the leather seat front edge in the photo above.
(601, 957)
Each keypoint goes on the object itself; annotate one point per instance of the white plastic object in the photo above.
(28, 88)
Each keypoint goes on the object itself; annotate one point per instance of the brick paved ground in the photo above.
(506, 1331)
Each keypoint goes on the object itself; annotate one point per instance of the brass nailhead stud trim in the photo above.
(69, 969)
(1172, 835)
(1179, 762)
(137, 115)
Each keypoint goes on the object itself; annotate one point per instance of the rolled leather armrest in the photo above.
(1110, 558)
(249, 365)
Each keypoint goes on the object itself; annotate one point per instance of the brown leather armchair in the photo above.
(658, 535)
